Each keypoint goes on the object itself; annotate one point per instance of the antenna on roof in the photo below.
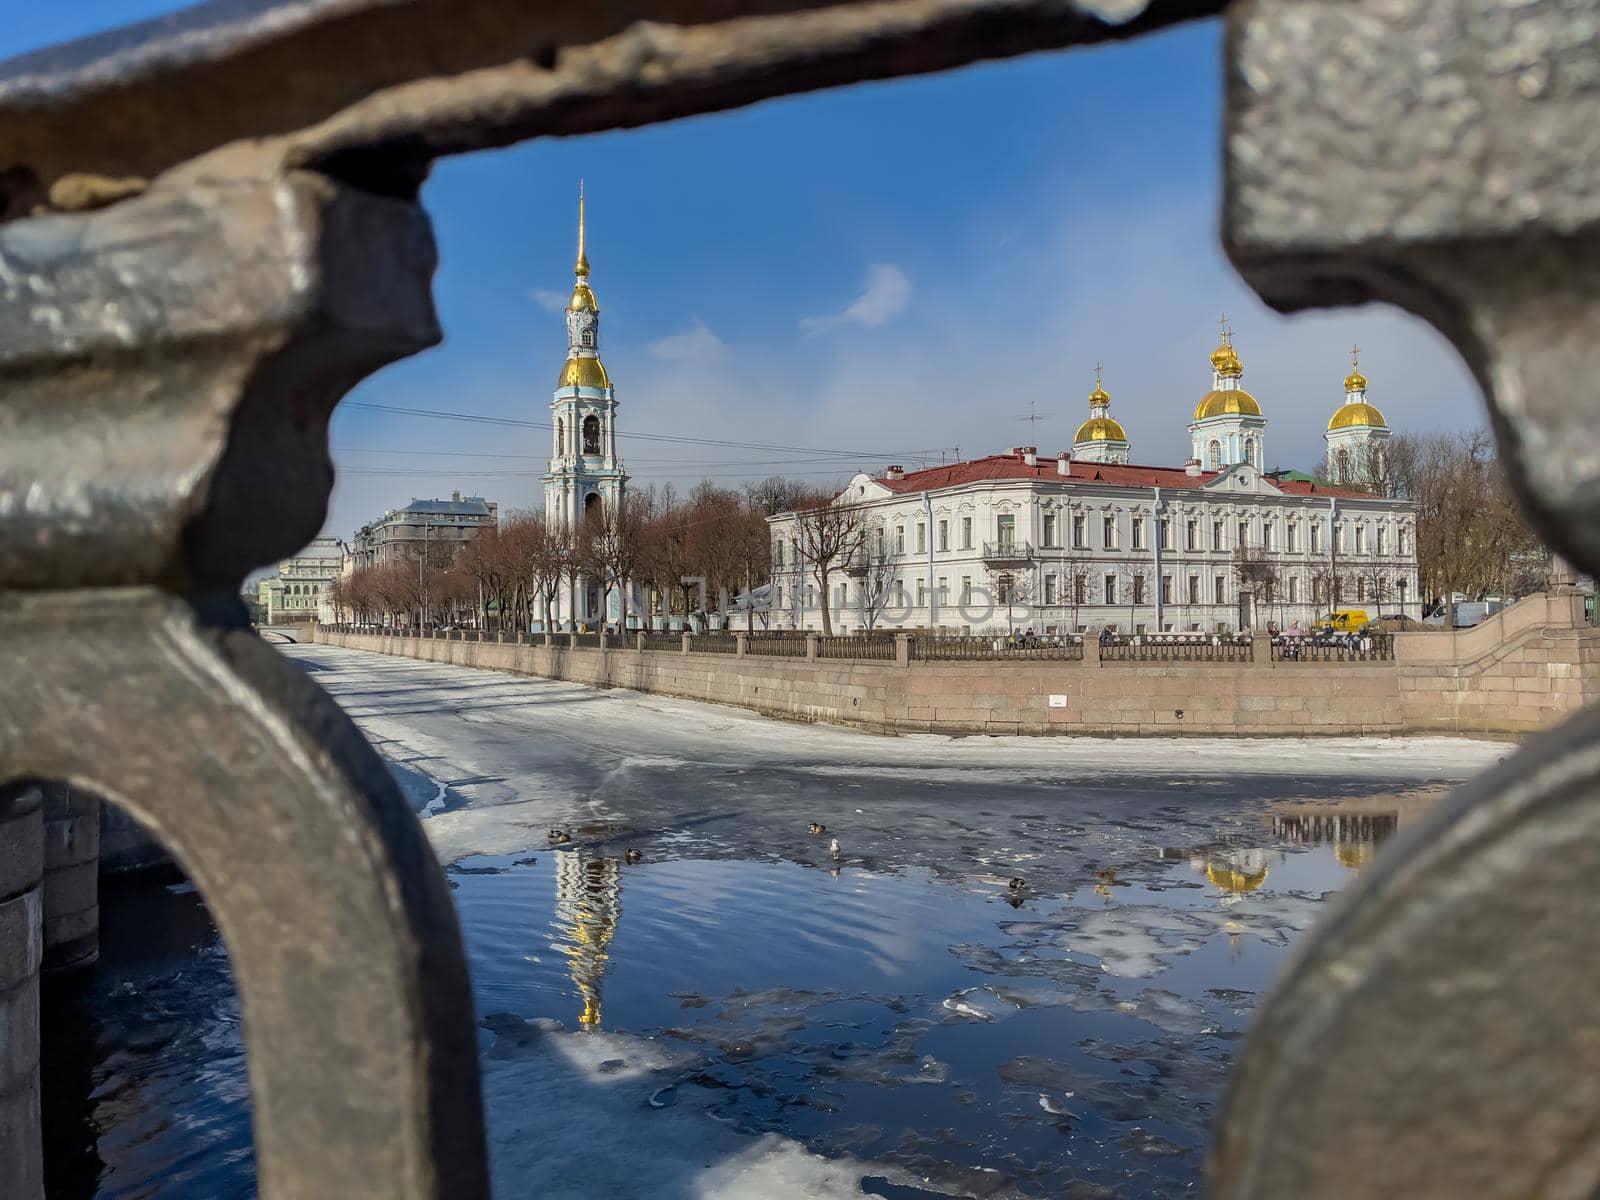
(1033, 418)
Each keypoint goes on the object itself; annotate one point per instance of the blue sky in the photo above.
(882, 270)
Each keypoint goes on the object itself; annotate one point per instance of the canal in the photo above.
(729, 1011)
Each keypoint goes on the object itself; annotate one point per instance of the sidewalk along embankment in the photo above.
(1524, 670)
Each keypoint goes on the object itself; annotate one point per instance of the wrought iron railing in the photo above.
(713, 643)
(869, 647)
(1340, 648)
(1066, 647)
(778, 646)
(1214, 650)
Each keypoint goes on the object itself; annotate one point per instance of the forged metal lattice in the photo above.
(209, 232)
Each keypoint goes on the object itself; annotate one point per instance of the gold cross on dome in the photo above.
(1355, 353)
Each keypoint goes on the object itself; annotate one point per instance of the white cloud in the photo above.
(884, 293)
(549, 301)
(695, 344)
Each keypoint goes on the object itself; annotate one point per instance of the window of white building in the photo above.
(1138, 533)
(1080, 588)
(1244, 533)
(1219, 588)
(1316, 537)
(1049, 589)
(1379, 539)
(1400, 541)
(1192, 534)
(1080, 533)
(1361, 539)
(944, 536)
(1291, 537)
(1111, 589)
(966, 533)
(1005, 527)
(1049, 529)
(922, 538)
(1194, 589)
(1108, 532)
(1216, 535)
(1268, 532)
(966, 589)
(922, 593)
(1294, 590)
(1166, 589)
(1164, 532)
(1138, 589)
(899, 539)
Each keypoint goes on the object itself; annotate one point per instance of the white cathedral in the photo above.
(1087, 539)
(585, 474)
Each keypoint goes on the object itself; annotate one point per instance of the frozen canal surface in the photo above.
(735, 1015)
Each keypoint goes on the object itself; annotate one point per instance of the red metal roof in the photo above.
(998, 467)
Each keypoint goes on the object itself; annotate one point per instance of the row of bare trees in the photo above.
(675, 556)
(1471, 537)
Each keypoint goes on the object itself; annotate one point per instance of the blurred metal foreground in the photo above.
(209, 232)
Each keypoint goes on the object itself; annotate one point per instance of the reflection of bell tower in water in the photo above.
(585, 474)
(588, 906)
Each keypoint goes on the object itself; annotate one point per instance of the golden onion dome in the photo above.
(583, 372)
(582, 298)
(1225, 362)
(1099, 429)
(1234, 879)
(1099, 396)
(1355, 382)
(1362, 413)
(1227, 403)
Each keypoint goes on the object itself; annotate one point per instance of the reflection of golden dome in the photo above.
(1226, 403)
(1234, 879)
(583, 372)
(1354, 855)
(1361, 413)
(1099, 429)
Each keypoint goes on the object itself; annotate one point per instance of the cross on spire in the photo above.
(1227, 330)
(1355, 356)
(1097, 369)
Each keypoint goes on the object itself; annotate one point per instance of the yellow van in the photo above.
(1343, 620)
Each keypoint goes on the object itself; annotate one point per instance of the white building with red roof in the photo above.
(1063, 545)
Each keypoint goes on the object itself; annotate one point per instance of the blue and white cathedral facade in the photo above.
(585, 477)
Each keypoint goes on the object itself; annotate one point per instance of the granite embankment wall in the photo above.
(1521, 671)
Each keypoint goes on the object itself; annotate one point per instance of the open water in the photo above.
(1071, 1042)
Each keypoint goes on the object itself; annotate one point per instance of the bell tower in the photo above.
(585, 475)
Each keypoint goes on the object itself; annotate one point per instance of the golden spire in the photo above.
(1355, 381)
(581, 269)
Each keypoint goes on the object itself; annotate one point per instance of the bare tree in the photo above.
(831, 533)
(875, 566)
(1257, 574)
(617, 547)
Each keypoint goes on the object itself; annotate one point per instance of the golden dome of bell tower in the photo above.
(1101, 438)
(1228, 428)
(1356, 433)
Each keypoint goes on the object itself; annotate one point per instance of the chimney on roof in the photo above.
(1064, 463)
(456, 496)
(1030, 455)
(1192, 467)
(895, 471)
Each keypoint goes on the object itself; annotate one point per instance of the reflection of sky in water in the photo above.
(899, 1017)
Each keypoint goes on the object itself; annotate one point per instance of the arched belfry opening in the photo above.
(591, 434)
(591, 504)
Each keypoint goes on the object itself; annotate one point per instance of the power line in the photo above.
(679, 462)
(480, 418)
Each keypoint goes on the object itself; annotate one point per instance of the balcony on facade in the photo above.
(1007, 552)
